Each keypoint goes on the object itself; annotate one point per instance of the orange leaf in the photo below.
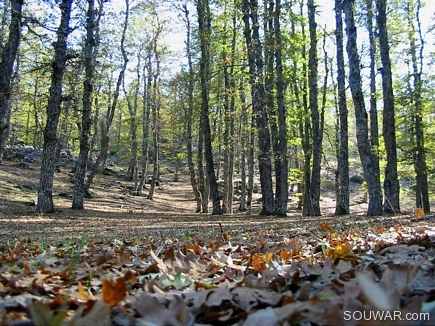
(419, 212)
(325, 226)
(114, 292)
(82, 291)
(285, 255)
(258, 262)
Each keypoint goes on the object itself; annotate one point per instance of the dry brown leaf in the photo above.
(114, 292)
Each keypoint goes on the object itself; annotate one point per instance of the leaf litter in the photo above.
(241, 278)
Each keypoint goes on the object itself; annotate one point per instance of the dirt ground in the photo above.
(114, 213)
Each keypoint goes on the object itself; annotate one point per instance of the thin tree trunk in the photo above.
(88, 86)
(391, 181)
(190, 105)
(204, 27)
(45, 191)
(342, 207)
(146, 124)
(132, 109)
(105, 139)
(251, 163)
(364, 148)
(8, 56)
(315, 116)
(244, 131)
(281, 155)
(155, 105)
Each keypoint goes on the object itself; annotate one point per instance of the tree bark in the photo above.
(374, 133)
(364, 148)
(8, 56)
(45, 191)
(88, 87)
(391, 181)
(256, 72)
(203, 10)
(315, 116)
(342, 207)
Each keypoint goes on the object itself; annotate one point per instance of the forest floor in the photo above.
(127, 260)
(113, 212)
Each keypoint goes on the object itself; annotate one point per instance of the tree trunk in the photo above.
(391, 181)
(256, 63)
(300, 90)
(315, 116)
(45, 191)
(281, 161)
(190, 105)
(342, 207)
(134, 124)
(374, 133)
(251, 164)
(8, 56)
(105, 127)
(244, 132)
(364, 148)
(204, 27)
(146, 107)
(155, 106)
(88, 85)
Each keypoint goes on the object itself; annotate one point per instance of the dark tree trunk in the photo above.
(343, 157)
(315, 116)
(8, 56)
(255, 61)
(204, 26)
(281, 173)
(362, 136)
(391, 181)
(45, 191)
(374, 133)
(88, 86)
